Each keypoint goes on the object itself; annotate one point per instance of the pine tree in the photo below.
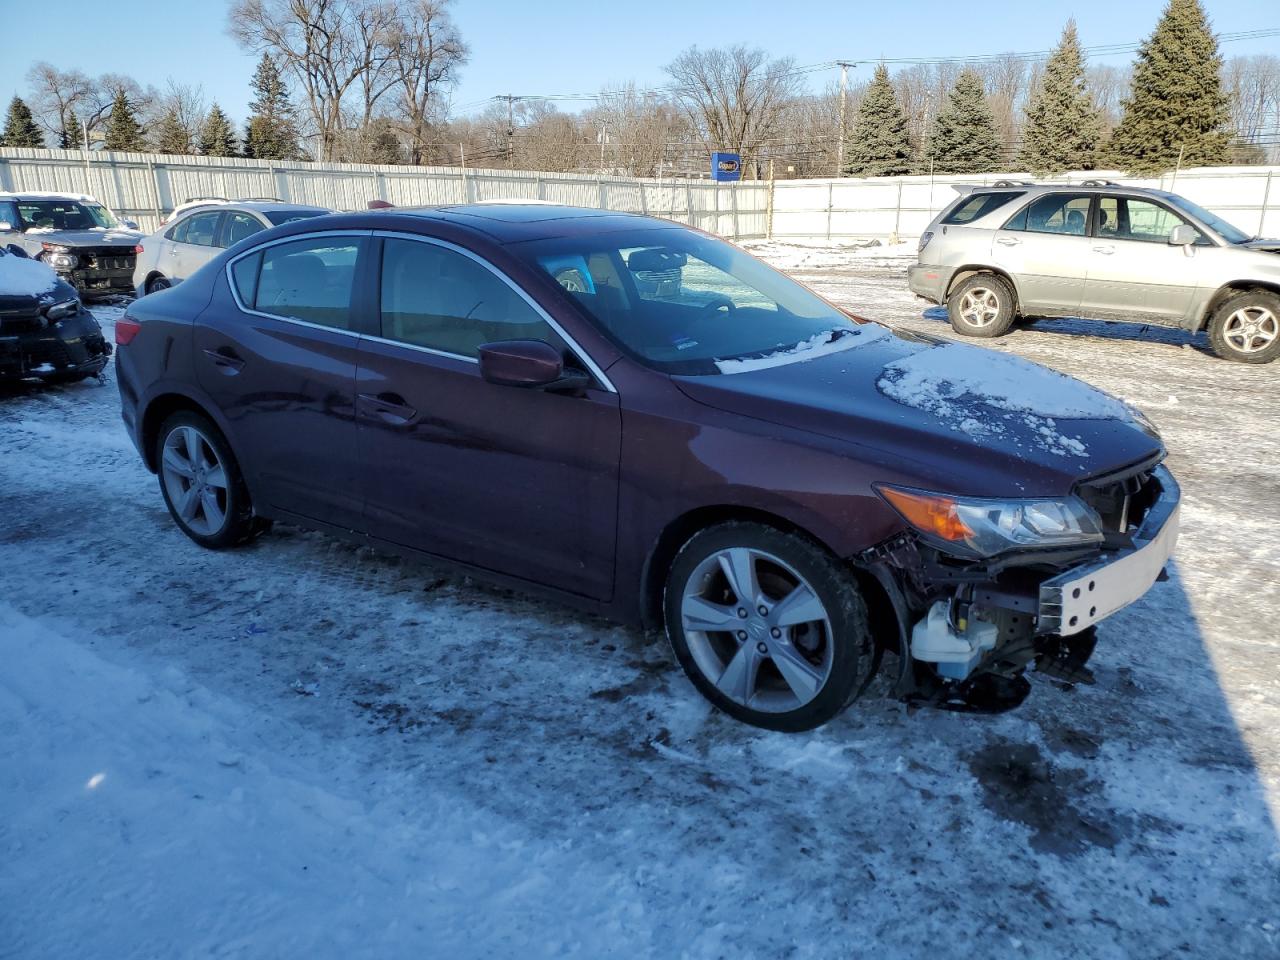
(123, 132)
(1176, 105)
(170, 136)
(879, 145)
(1064, 123)
(964, 138)
(20, 128)
(271, 132)
(71, 137)
(217, 137)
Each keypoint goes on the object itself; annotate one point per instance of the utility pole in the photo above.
(844, 66)
(511, 129)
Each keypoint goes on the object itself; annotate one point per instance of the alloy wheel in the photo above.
(195, 480)
(979, 306)
(1251, 329)
(757, 630)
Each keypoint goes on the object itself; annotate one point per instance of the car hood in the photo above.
(88, 238)
(1266, 246)
(945, 416)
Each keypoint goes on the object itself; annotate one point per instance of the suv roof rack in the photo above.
(1095, 182)
(205, 200)
(1014, 183)
(261, 200)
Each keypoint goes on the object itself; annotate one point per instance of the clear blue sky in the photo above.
(557, 46)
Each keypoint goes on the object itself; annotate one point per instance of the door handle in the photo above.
(389, 407)
(1107, 250)
(226, 359)
(1008, 241)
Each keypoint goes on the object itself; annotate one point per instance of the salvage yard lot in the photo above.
(308, 748)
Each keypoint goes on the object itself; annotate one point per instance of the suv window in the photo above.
(978, 205)
(202, 229)
(1128, 218)
(309, 280)
(238, 227)
(438, 298)
(1065, 213)
(9, 214)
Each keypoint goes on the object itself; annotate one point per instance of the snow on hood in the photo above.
(22, 277)
(982, 392)
(816, 346)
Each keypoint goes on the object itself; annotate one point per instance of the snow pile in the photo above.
(816, 346)
(22, 277)
(982, 393)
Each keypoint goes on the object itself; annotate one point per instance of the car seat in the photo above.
(1075, 222)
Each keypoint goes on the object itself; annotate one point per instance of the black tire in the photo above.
(156, 284)
(1229, 333)
(1000, 306)
(852, 649)
(239, 524)
(66, 378)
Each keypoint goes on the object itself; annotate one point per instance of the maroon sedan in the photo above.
(645, 421)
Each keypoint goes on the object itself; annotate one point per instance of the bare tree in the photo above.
(186, 103)
(638, 130)
(1253, 86)
(1005, 81)
(733, 97)
(1110, 86)
(425, 53)
(55, 95)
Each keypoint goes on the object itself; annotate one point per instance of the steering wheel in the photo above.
(720, 302)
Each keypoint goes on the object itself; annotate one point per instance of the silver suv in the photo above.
(199, 230)
(1104, 251)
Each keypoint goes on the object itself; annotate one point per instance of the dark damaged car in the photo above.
(75, 235)
(645, 421)
(45, 332)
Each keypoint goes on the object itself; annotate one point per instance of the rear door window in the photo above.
(202, 229)
(238, 227)
(1064, 213)
(978, 205)
(310, 280)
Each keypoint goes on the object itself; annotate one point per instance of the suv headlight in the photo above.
(985, 528)
(62, 310)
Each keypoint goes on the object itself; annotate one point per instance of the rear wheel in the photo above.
(157, 283)
(768, 626)
(1246, 327)
(202, 484)
(981, 306)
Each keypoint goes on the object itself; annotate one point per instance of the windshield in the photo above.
(64, 215)
(1229, 233)
(277, 217)
(686, 303)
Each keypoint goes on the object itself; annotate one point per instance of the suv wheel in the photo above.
(202, 484)
(981, 306)
(1246, 327)
(157, 283)
(768, 626)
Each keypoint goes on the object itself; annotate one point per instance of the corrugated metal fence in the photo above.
(144, 187)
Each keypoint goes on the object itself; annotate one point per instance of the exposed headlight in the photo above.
(924, 240)
(985, 528)
(65, 308)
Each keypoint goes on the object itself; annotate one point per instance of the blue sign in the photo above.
(726, 166)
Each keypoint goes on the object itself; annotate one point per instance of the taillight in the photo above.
(138, 248)
(924, 240)
(126, 329)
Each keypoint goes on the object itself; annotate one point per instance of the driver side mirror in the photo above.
(6, 226)
(130, 224)
(1183, 235)
(532, 364)
(17, 251)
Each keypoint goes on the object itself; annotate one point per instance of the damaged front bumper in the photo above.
(960, 621)
(65, 349)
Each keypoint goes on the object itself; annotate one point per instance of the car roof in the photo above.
(45, 195)
(1086, 186)
(259, 206)
(517, 221)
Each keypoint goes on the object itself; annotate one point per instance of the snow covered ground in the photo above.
(308, 749)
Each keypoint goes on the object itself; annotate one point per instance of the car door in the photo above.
(1045, 248)
(1134, 272)
(519, 481)
(198, 244)
(279, 360)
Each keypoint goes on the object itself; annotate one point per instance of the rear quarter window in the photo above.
(978, 205)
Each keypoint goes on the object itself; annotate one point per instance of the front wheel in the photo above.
(768, 626)
(981, 306)
(1246, 327)
(157, 284)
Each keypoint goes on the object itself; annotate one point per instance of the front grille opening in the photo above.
(1121, 502)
